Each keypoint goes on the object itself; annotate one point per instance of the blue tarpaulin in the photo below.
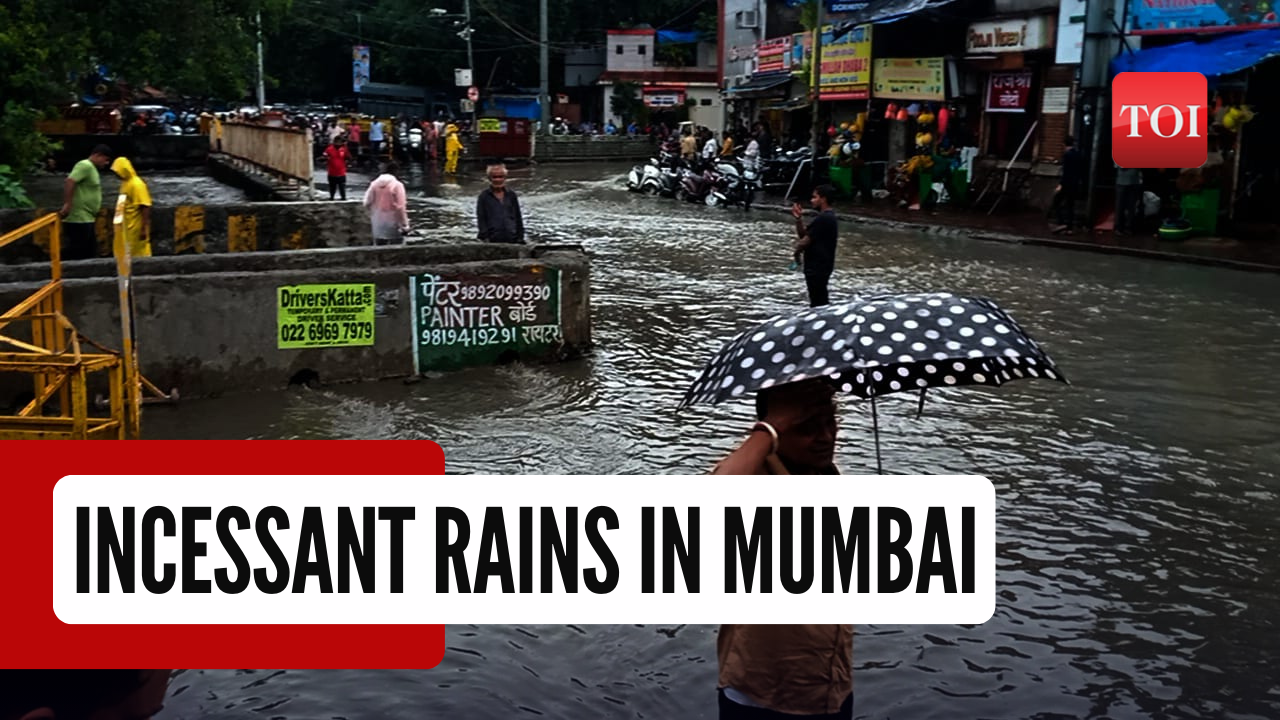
(1223, 55)
(677, 36)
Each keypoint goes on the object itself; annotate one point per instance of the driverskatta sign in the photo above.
(1159, 120)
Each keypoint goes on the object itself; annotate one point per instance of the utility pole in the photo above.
(1095, 75)
(471, 65)
(815, 133)
(262, 83)
(544, 87)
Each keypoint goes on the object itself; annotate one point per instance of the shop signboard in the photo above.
(1006, 36)
(773, 55)
(1009, 91)
(911, 78)
(846, 64)
(465, 319)
(1154, 17)
(663, 98)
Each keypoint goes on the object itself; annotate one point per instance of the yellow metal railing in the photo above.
(60, 407)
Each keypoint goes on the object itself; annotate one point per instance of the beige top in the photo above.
(798, 669)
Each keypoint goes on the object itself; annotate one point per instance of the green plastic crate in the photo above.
(842, 180)
(1201, 210)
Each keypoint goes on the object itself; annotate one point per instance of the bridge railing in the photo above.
(283, 152)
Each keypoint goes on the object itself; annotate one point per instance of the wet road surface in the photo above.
(1138, 559)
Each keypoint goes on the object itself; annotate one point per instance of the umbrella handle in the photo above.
(875, 428)
(920, 410)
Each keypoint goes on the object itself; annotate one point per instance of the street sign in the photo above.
(466, 106)
(462, 77)
(473, 93)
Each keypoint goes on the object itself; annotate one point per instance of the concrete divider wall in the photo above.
(207, 325)
(595, 147)
(196, 229)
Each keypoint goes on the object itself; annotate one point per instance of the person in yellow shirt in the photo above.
(135, 205)
(452, 149)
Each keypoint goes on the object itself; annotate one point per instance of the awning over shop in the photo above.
(758, 86)
(882, 11)
(787, 105)
(1223, 55)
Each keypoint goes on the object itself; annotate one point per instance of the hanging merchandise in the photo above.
(913, 109)
(944, 115)
(891, 112)
(924, 139)
(925, 118)
(903, 115)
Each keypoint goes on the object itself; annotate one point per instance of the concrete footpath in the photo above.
(1031, 228)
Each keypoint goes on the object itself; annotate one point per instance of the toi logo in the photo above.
(1159, 120)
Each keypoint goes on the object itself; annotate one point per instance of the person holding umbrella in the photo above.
(795, 433)
(816, 244)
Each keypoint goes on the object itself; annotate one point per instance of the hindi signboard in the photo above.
(315, 316)
(462, 319)
(911, 78)
(1009, 91)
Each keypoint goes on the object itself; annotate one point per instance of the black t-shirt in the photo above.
(820, 254)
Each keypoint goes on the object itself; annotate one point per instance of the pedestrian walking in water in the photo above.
(816, 244)
(336, 157)
(452, 148)
(134, 207)
(774, 672)
(498, 210)
(388, 207)
(81, 201)
(1128, 200)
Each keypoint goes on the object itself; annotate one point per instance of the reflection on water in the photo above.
(1137, 551)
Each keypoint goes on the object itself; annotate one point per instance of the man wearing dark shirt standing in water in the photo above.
(498, 210)
(817, 243)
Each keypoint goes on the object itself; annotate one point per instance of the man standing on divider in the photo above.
(498, 210)
(817, 244)
(336, 157)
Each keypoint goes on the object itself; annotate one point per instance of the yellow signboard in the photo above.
(911, 78)
(490, 125)
(846, 64)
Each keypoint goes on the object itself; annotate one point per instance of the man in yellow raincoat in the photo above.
(452, 148)
(135, 204)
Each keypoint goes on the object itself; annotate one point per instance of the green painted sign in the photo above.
(314, 316)
(462, 320)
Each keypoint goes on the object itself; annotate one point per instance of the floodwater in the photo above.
(1138, 555)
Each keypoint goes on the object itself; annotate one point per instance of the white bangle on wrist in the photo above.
(773, 433)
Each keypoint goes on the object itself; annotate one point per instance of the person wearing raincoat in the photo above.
(388, 209)
(134, 204)
(452, 148)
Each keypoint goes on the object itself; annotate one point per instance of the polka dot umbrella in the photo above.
(877, 346)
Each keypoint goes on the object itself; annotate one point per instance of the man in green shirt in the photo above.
(81, 200)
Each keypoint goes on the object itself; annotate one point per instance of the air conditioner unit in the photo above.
(749, 19)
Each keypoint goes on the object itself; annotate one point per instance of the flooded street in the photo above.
(1138, 556)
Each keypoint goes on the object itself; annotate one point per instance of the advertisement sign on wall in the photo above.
(1009, 91)
(773, 55)
(1070, 45)
(846, 64)
(911, 78)
(1152, 17)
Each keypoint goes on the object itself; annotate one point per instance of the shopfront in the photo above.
(1013, 83)
(1241, 177)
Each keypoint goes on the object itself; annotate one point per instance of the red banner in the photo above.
(1009, 91)
(34, 636)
